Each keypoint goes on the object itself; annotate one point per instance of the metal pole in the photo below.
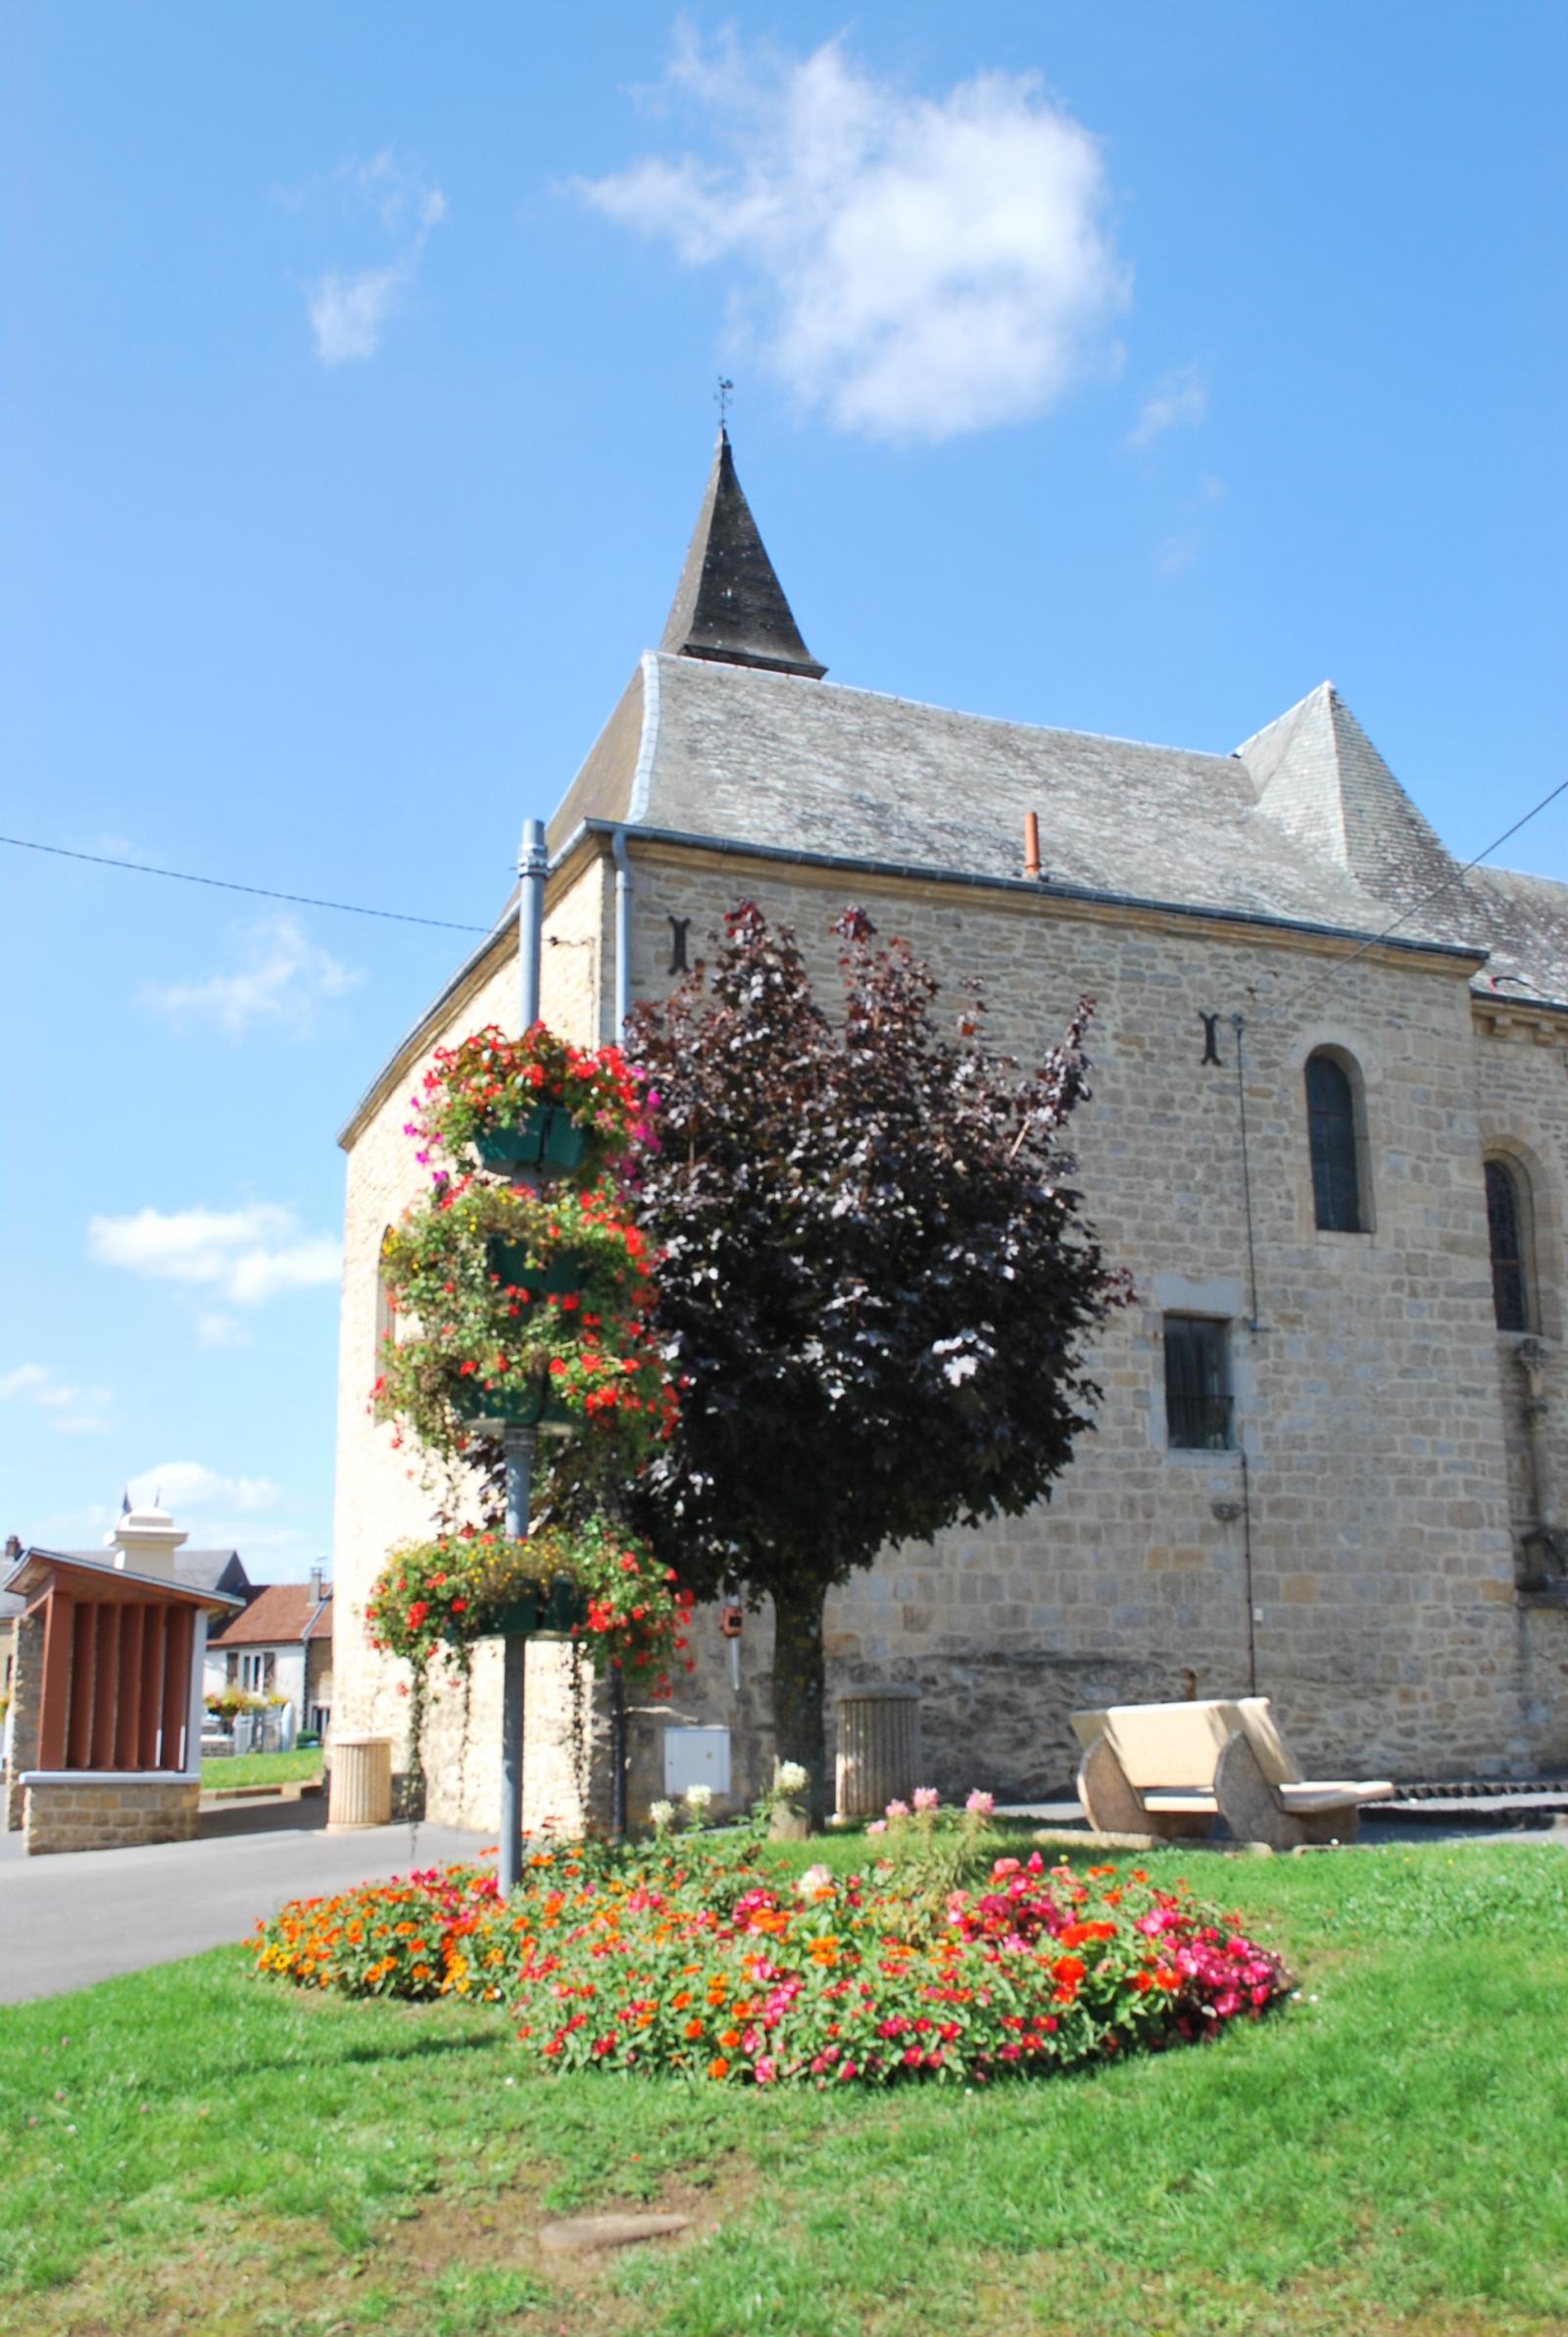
(520, 1472)
(617, 1753)
(518, 1441)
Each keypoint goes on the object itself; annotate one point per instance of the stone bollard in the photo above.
(879, 1749)
(361, 1784)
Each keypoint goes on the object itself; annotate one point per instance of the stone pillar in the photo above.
(878, 1749)
(26, 1682)
(361, 1784)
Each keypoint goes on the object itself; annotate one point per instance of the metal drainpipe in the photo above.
(617, 846)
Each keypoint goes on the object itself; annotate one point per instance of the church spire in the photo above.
(729, 605)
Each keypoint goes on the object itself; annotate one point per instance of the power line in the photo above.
(226, 884)
(1455, 876)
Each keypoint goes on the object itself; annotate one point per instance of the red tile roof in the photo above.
(280, 1614)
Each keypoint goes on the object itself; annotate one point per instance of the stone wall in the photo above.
(1357, 1547)
(75, 1815)
(26, 1687)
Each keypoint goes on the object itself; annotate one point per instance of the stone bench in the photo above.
(1170, 1770)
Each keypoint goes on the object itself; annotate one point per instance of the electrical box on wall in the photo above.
(696, 1757)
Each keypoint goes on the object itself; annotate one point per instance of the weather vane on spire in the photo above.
(722, 398)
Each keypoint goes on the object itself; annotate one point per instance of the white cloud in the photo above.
(349, 308)
(1178, 402)
(918, 267)
(67, 1409)
(282, 981)
(180, 1485)
(243, 1255)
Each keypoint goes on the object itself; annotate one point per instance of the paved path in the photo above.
(86, 1914)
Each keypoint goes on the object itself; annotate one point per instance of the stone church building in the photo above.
(1329, 1137)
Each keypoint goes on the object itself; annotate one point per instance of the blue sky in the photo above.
(1130, 368)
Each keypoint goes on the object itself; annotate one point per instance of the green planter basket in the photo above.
(509, 1260)
(556, 1606)
(547, 1135)
(526, 1404)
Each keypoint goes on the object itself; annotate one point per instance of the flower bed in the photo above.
(694, 1956)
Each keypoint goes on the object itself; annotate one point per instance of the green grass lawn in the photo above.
(195, 2152)
(261, 1768)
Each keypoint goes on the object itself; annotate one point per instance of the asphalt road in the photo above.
(85, 1915)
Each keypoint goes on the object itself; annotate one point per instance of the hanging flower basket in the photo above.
(525, 1103)
(593, 1583)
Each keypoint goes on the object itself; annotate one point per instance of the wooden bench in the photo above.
(1170, 1770)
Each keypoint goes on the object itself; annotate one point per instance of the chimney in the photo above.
(317, 1591)
(13, 1549)
(1031, 843)
(145, 1541)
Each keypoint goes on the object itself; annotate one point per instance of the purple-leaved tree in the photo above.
(877, 1284)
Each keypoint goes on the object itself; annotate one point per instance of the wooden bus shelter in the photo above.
(106, 1729)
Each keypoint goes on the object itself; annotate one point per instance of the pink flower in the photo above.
(897, 1810)
(981, 1804)
(878, 1825)
(927, 1797)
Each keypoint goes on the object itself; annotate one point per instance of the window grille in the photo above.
(1198, 1384)
(1331, 1128)
(1505, 1232)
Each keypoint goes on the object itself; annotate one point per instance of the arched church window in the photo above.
(1507, 1215)
(1332, 1133)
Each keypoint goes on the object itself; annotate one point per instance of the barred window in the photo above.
(1198, 1384)
(1505, 1231)
(1332, 1136)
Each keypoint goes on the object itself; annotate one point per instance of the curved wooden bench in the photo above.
(1168, 1770)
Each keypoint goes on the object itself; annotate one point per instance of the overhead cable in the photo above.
(227, 884)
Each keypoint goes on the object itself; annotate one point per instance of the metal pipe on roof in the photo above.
(1031, 843)
(532, 867)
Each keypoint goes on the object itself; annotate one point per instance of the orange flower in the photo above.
(718, 2069)
(693, 2028)
(729, 2038)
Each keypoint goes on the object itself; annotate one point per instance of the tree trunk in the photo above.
(800, 1691)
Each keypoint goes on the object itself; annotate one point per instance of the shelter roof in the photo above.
(75, 1571)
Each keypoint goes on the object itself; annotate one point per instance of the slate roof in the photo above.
(281, 1615)
(745, 756)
